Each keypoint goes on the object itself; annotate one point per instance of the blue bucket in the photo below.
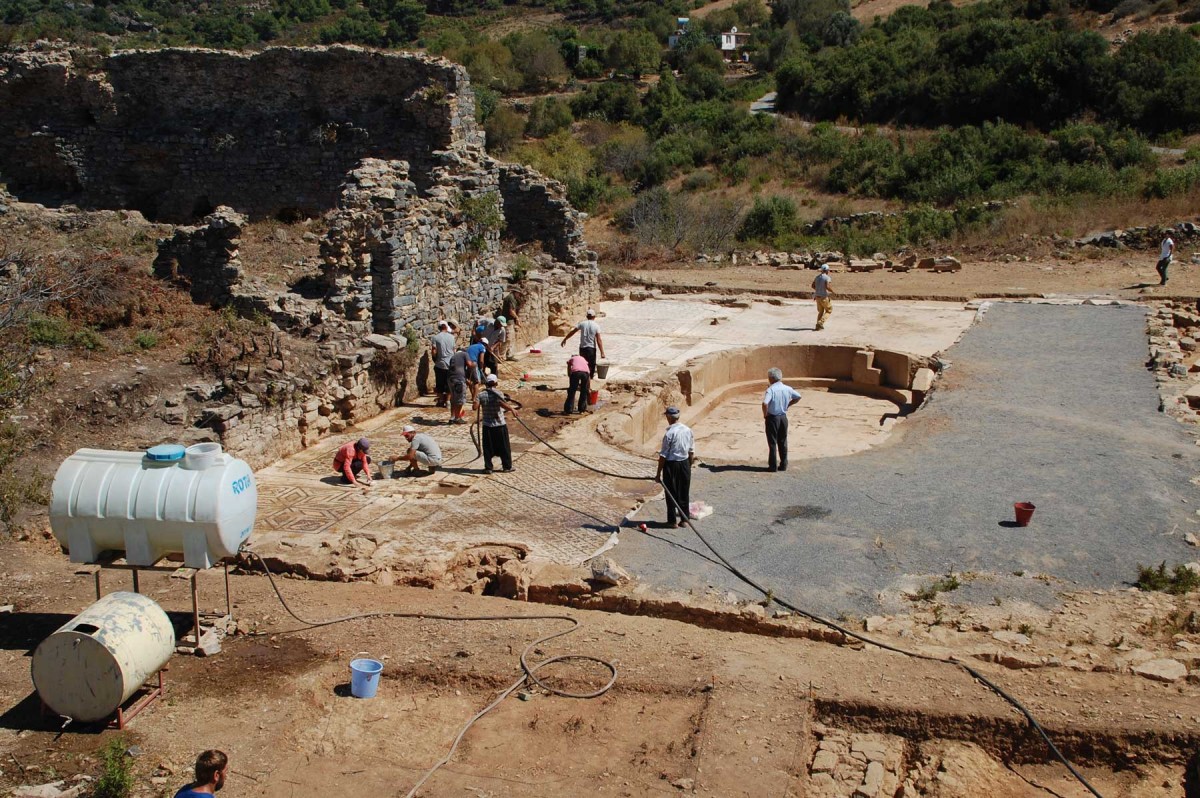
(364, 677)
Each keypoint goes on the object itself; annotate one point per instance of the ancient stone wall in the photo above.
(395, 260)
(536, 210)
(174, 133)
(204, 259)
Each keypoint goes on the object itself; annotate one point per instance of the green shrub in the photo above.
(1181, 580)
(504, 127)
(146, 339)
(548, 115)
(769, 219)
(116, 775)
(700, 180)
(48, 331)
(943, 585)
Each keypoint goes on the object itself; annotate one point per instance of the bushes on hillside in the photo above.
(943, 65)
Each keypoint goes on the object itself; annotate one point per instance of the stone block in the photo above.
(862, 368)
(923, 380)
(1161, 670)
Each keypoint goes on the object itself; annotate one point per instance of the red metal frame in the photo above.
(124, 715)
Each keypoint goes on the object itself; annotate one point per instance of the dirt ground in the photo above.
(1128, 275)
(694, 711)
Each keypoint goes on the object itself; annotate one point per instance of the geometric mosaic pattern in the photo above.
(555, 508)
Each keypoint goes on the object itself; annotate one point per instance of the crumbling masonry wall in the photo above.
(175, 133)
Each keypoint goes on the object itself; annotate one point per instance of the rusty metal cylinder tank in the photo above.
(92, 664)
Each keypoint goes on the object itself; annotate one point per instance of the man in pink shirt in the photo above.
(579, 373)
(353, 458)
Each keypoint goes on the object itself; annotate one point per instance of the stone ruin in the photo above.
(421, 223)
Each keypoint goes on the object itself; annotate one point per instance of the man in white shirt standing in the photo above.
(589, 339)
(776, 401)
(822, 289)
(675, 467)
(1164, 258)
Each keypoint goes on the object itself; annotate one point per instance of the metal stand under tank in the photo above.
(196, 643)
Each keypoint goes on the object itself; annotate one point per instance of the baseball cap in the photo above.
(363, 444)
(501, 321)
(591, 313)
(673, 411)
(824, 267)
(491, 379)
(409, 428)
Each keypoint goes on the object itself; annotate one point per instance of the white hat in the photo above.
(409, 428)
(492, 379)
(591, 313)
(824, 267)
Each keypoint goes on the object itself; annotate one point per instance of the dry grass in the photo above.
(277, 251)
(1080, 216)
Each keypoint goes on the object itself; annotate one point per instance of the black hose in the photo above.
(733, 569)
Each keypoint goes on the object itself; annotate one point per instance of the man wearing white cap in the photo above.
(675, 467)
(492, 403)
(422, 451)
(822, 289)
(589, 339)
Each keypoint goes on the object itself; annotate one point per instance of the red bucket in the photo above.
(1024, 511)
(593, 397)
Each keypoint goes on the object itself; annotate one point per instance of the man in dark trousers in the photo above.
(210, 775)
(581, 382)
(492, 403)
(675, 467)
(589, 339)
(441, 347)
(776, 401)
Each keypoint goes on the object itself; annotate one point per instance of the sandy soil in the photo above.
(823, 424)
(694, 710)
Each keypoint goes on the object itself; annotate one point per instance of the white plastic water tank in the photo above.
(96, 661)
(197, 501)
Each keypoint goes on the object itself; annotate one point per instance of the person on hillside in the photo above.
(822, 290)
(422, 451)
(589, 339)
(441, 347)
(211, 767)
(580, 381)
(352, 459)
(776, 401)
(675, 458)
(1165, 256)
(462, 380)
(492, 404)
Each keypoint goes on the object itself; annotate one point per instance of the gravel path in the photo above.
(1050, 404)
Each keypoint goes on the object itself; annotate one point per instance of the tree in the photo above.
(548, 115)
(537, 57)
(662, 102)
(633, 53)
(504, 128)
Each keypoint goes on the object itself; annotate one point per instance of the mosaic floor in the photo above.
(557, 510)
